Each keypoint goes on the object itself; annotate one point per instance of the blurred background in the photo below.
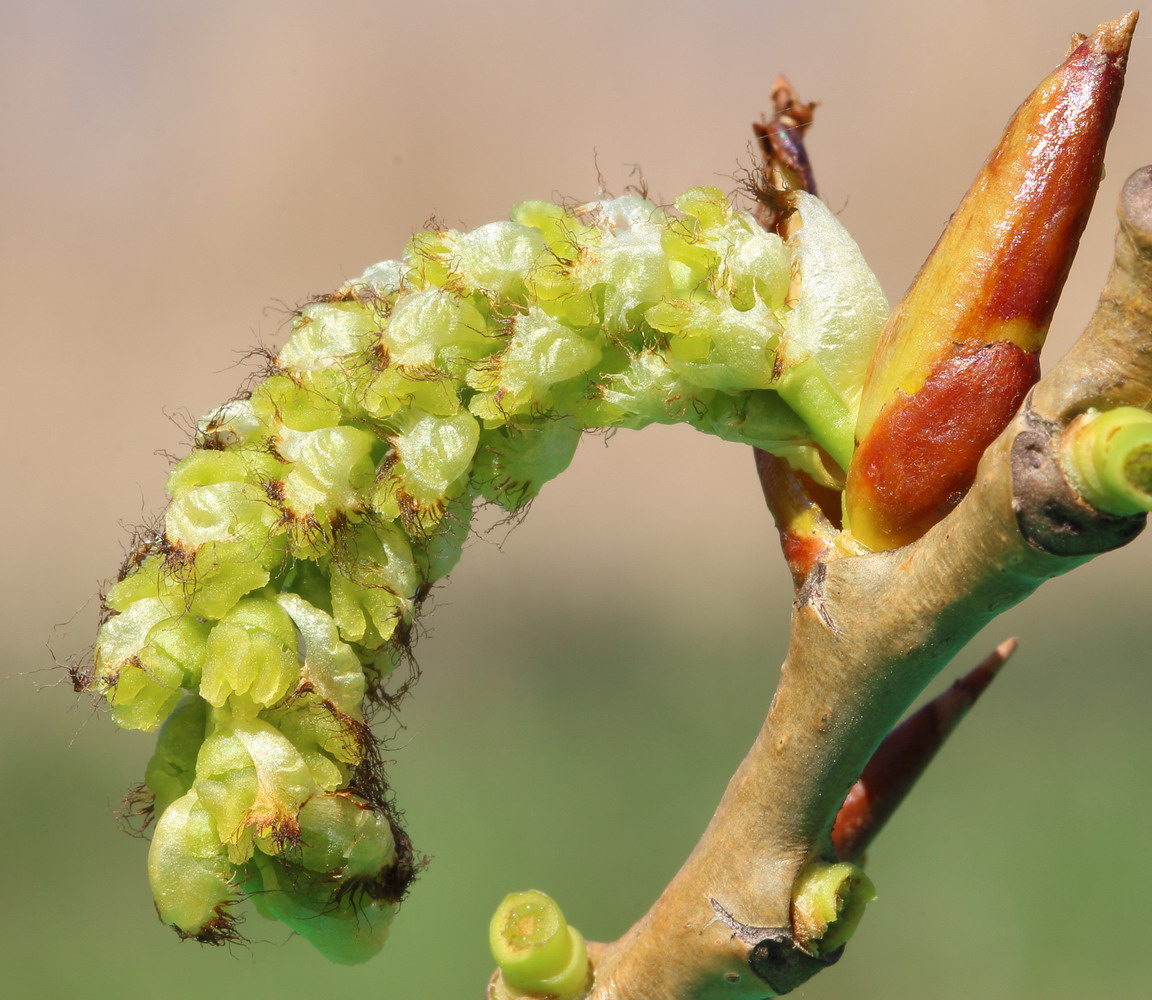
(177, 176)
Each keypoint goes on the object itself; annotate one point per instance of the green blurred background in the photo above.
(175, 176)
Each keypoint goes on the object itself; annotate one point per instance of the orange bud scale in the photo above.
(921, 456)
(1055, 176)
(805, 512)
(958, 353)
(802, 553)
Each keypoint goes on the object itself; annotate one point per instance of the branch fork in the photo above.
(875, 620)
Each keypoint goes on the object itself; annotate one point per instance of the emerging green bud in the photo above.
(342, 835)
(1107, 456)
(330, 666)
(832, 330)
(330, 744)
(538, 953)
(828, 901)
(253, 781)
(251, 657)
(144, 659)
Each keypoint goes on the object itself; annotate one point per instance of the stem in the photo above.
(806, 389)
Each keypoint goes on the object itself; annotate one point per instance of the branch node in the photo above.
(775, 956)
(1051, 513)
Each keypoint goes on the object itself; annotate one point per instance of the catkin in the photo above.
(255, 628)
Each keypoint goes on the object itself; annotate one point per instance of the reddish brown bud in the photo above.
(993, 279)
(905, 754)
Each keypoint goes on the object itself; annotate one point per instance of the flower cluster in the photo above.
(259, 623)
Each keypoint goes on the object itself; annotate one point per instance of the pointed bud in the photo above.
(904, 755)
(959, 353)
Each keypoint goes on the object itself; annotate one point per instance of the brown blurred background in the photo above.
(175, 176)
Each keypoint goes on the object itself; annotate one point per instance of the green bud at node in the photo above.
(1107, 456)
(538, 953)
(828, 901)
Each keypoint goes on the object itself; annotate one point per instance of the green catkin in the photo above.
(315, 512)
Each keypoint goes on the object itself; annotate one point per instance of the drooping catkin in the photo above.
(256, 629)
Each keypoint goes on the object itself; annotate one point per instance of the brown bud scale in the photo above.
(993, 279)
(905, 754)
(921, 456)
